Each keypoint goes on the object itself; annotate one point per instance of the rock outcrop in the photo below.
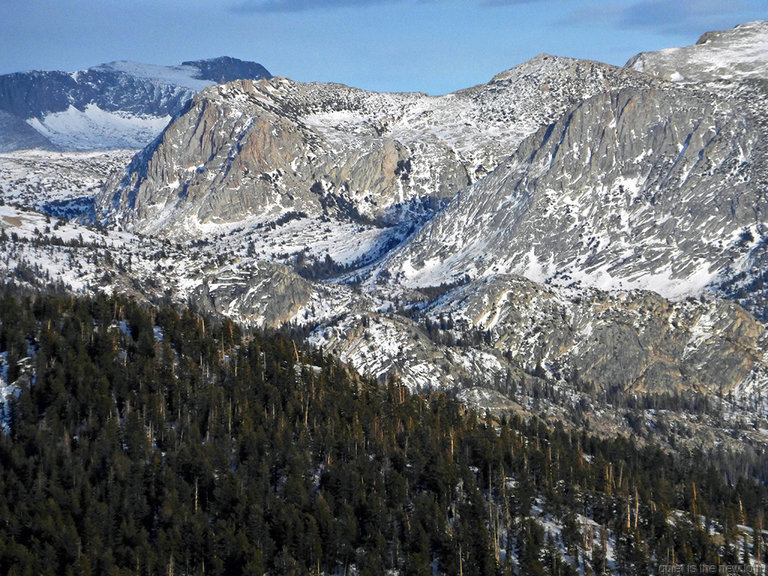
(506, 327)
(266, 295)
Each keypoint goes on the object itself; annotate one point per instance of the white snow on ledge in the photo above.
(93, 128)
(663, 281)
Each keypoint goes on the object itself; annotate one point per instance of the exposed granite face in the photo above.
(269, 296)
(708, 348)
(629, 341)
(205, 178)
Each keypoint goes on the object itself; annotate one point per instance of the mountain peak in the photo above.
(534, 63)
(744, 31)
(226, 69)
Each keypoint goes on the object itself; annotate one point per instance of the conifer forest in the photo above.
(148, 441)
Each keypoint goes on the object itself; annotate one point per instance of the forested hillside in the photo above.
(143, 440)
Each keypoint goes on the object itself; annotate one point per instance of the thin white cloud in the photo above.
(260, 6)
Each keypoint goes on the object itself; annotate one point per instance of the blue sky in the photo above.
(434, 46)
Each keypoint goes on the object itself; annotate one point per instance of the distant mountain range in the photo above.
(116, 105)
(567, 236)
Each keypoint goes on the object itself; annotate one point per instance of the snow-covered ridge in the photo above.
(183, 76)
(729, 55)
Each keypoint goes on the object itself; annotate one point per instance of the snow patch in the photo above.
(94, 128)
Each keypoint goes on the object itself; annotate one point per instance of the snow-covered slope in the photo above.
(96, 129)
(116, 105)
(654, 188)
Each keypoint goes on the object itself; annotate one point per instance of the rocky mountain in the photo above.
(633, 194)
(661, 189)
(251, 151)
(568, 214)
(116, 105)
(579, 245)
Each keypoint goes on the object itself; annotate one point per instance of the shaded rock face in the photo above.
(650, 188)
(254, 150)
(732, 65)
(641, 343)
(227, 69)
(34, 94)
